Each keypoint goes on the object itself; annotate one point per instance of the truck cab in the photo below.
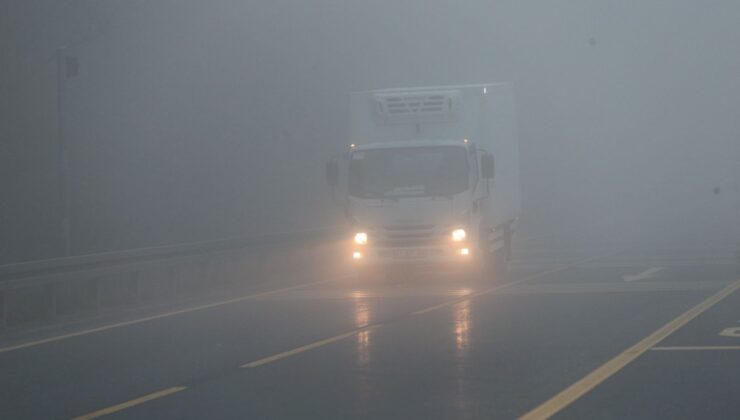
(423, 193)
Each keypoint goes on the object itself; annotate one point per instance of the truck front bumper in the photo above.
(453, 256)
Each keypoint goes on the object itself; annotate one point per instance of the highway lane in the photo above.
(692, 374)
(81, 373)
(495, 354)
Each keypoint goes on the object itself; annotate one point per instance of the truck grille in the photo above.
(407, 235)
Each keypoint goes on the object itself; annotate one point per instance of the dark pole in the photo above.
(62, 152)
(737, 198)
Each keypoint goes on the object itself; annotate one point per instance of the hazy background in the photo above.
(193, 120)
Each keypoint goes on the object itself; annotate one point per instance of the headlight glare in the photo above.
(361, 238)
(458, 235)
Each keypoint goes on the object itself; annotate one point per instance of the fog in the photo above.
(194, 120)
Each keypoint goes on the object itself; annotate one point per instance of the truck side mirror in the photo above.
(486, 166)
(332, 173)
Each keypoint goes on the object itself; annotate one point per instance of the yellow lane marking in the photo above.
(153, 317)
(593, 379)
(320, 343)
(128, 404)
(695, 348)
(307, 347)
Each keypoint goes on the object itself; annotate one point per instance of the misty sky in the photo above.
(194, 120)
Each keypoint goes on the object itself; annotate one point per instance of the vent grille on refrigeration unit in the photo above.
(415, 106)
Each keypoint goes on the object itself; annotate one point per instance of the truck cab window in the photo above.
(409, 172)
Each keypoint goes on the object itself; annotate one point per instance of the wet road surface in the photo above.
(426, 347)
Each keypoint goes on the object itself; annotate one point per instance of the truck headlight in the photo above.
(361, 238)
(458, 235)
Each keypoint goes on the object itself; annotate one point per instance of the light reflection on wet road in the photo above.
(494, 355)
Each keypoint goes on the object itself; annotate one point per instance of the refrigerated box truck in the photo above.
(430, 178)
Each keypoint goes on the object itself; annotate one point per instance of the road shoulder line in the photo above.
(154, 317)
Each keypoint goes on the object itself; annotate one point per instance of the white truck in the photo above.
(417, 180)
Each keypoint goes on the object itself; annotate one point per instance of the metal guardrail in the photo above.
(48, 276)
(11, 273)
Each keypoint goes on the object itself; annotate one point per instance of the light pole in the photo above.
(67, 67)
(736, 187)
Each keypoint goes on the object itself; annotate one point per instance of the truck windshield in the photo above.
(408, 172)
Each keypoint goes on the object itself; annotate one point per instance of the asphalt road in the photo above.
(604, 339)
